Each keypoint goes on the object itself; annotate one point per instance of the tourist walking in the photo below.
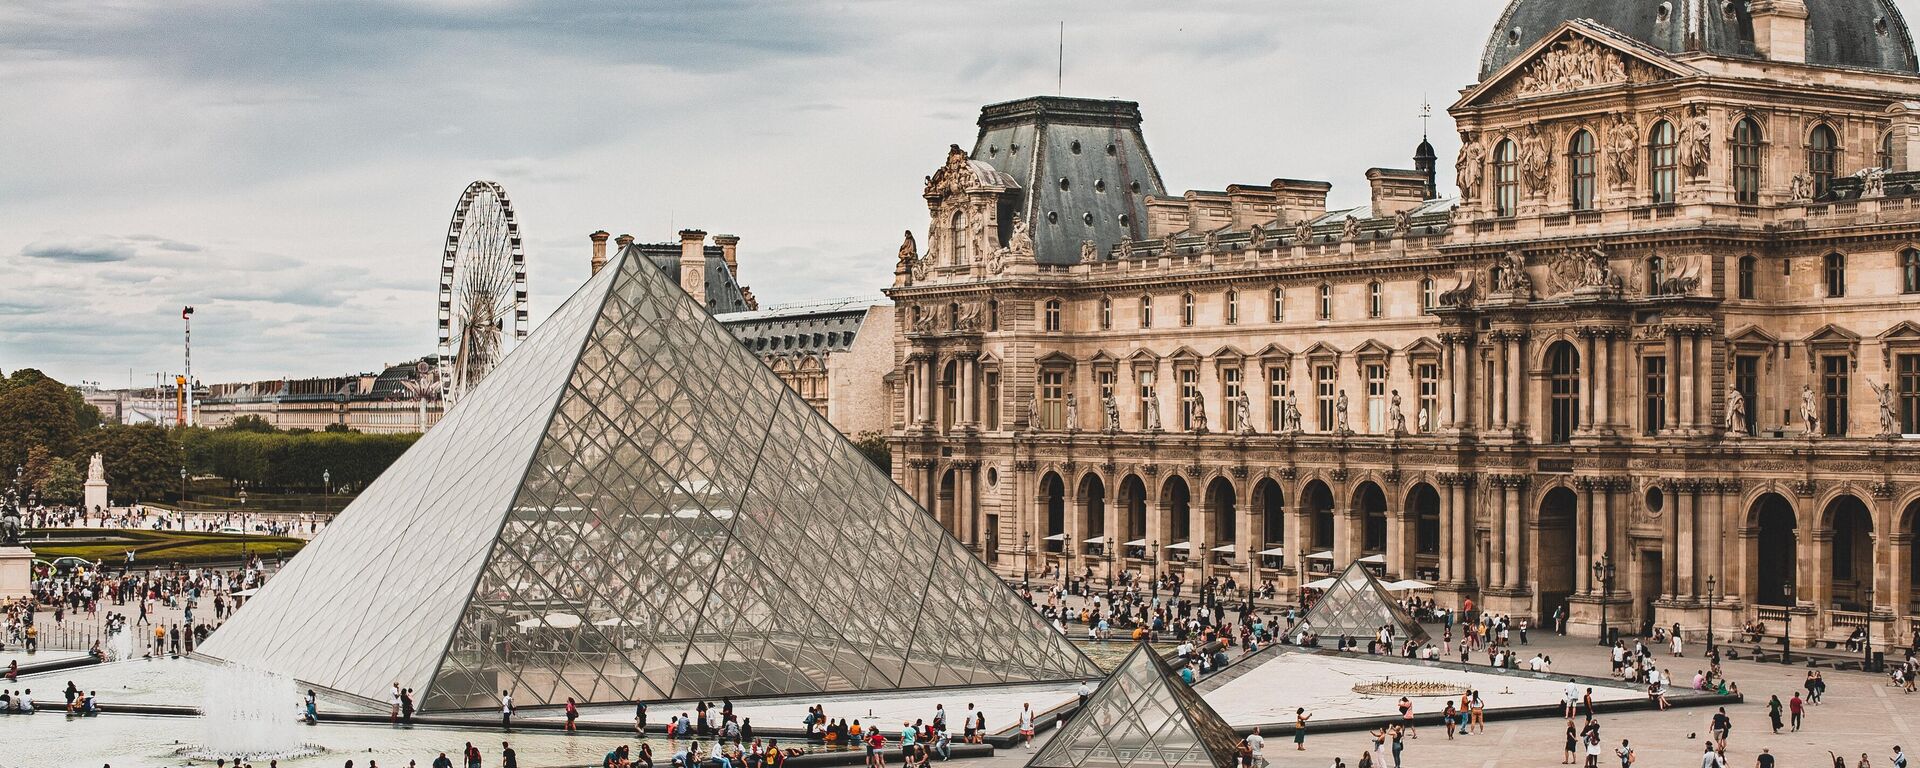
(1026, 725)
(1406, 717)
(1478, 710)
(508, 758)
(1710, 758)
(1764, 759)
(573, 714)
(1773, 712)
(1796, 709)
(506, 711)
(1257, 745)
(1721, 726)
(1572, 745)
(1625, 753)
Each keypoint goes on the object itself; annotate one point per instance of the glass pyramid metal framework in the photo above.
(1143, 716)
(1357, 605)
(633, 507)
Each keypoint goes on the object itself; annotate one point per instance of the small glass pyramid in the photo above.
(1142, 716)
(1358, 606)
(633, 507)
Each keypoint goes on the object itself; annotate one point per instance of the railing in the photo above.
(1847, 619)
(1771, 615)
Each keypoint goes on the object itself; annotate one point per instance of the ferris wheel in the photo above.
(483, 288)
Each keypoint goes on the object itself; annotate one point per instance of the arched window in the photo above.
(953, 317)
(1822, 153)
(1106, 313)
(957, 239)
(1146, 311)
(1836, 274)
(1326, 301)
(1426, 296)
(1886, 151)
(993, 314)
(1052, 317)
(1279, 304)
(1748, 268)
(1506, 179)
(1656, 274)
(1581, 162)
(1746, 162)
(1663, 162)
(1186, 309)
(1233, 307)
(1563, 363)
(1910, 271)
(1373, 299)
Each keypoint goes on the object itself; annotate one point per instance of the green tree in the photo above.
(62, 484)
(249, 423)
(143, 461)
(874, 445)
(36, 410)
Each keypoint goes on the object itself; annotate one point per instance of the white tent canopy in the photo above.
(555, 620)
(1227, 548)
(1407, 585)
(1136, 543)
(1056, 537)
(1320, 556)
(1096, 540)
(1180, 545)
(1374, 559)
(1318, 584)
(1273, 551)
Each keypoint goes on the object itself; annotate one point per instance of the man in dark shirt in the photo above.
(442, 761)
(1765, 760)
(507, 758)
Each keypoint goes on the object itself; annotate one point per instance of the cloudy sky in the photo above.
(289, 168)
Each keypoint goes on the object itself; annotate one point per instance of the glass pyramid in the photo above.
(1357, 605)
(1142, 716)
(633, 507)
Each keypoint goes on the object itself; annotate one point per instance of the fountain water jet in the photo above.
(249, 713)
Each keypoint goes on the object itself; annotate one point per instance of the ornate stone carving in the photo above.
(1510, 275)
(1696, 142)
(1882, 489)
(925, 320)
(1462, 293)
(1809, 411)
(1302, 231)
(1242, 414)
(1574, 63)
(1804, 488)
(1111, 411)
(1402, 223)
(1340, 426)
(1124, 248)
(1339, 474)
(1470, 168)
(1889, 412)
(1199, 413)
(956, 176)
(1800, 188)
(1256, 237)
(1288, 473)
(1150, 416)
(1073, 413)
(1536, 163)
(1736, 421)
(969, 319)
(1350, 229)
(1396, 418)
(1026, 465)
(1623, 151)
(1088, 252)
(1873, 181)
(909, 251)
(1238, 471)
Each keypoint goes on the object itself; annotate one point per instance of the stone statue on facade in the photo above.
(1111, 409)
(1809, 411)
(1150, 416)
(1293, 413)
(1470, 166)
(1396, 418)
(1340, 425)
(1623, 151)
(1736, 412)
(1350, 229)
(1020, 243)
(1088, 252)
(1402, 223)
(1073, 413)
(1124, 248)
(1800, 188)
(1423, 420)
(1033, 410)
(1873, 181)
(1242, 414)
(1302, 231)
(1213, 240)
(1256, 237)
(1696, 142)
(1510, 275)
(1889, 412)
(909, 251)
(1199, 414)
(953, 177)
(1536, 163)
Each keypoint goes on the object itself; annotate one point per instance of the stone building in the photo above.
(1660, 358)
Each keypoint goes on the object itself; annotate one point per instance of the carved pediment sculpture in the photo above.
(1402, 223)
(1350, 228)
(1800, 188)
(1256, 237)
(1510, 275)
(1580, 270)
(1571, 64)
(1302, 231)
(955, 177)
(1462, 293)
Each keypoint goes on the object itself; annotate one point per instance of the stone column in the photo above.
(1687, 543)
(1703, 379)
(1156, 527)
(1250, 534)
(1516, 536)
(1884, 520)
(1583, 535)
(1901, 582)
(963, 507)
(1447, 526)
(1603, 388)
(964, 389)
(1461, 530)
(1603, 531)
(1590, 373)
(1516, 380)
(1497, 561)
(1670, 543)
(1684, 362)
(1299, 540)
(1815, 583)
(1673, 380)
(1502, 351)
(1399, 555)
(1116, 552)
(1716, 533)
(1450, 405)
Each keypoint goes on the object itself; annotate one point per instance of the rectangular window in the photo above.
(1746, 381)
(1230, 398)
(1429, 375)
(1664, 162)
(1189, 392)
(1376, 398)
(1053, 399)
(1908, 368)
(1910, 271)
(1653, 417)
(1276, 395)
(1746, 277)
(1279, 305)
(992, 385)
(1833, 392)
(1106, 313)
(1323, 394)
(1146, 311)
(1147, 418)
(1233, 307)
(1581, 164)
(1326, 302)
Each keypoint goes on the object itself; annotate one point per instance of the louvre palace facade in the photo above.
(1660, 356)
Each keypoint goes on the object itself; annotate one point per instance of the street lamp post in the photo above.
(183, 486)
(1866, 647)
(1603, 573)
(1026, 557)
(1786, 630)
(1710, 602)
(326, 489)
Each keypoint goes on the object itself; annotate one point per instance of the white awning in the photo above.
(1227, 548)
(1096, 540)
(1273, 551)
(1056, 537)
(1374, 559)
(1136, 543)
(615, 622)
(1318, 584)
(1407, 585)
(1320, 556)
(555, 620)
(1179, 545)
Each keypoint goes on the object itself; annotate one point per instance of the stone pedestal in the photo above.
(96, 496)
(16, 572)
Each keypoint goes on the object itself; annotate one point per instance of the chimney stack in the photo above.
(728, 245)
(623, 240)
(693, 264)
(599, 250)
(1392, 190)
(1780, 29)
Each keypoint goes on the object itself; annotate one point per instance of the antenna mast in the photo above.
(1060, 64)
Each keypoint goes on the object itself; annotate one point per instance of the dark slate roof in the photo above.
(1847, 33)
(723, 294)
(813, 327)
(1096, 146)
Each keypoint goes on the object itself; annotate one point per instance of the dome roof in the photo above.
(1849, 33)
